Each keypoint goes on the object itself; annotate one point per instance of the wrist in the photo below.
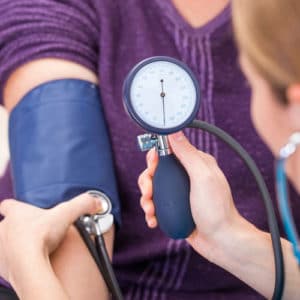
(244, 251)
(224, 245)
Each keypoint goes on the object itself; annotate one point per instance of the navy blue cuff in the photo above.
(60, 146)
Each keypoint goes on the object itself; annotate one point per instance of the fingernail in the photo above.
(101, 203)
(152, 223)
(178, 136)
(99, 206)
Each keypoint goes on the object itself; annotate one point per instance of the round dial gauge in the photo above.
(162, 95)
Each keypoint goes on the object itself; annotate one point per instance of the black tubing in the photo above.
(87, 240)
(272, 222)
(105, 262)
(101, 259)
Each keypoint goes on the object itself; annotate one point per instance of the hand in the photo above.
(212, 205)
(29, 232)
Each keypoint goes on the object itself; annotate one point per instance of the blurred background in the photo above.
(4, 154)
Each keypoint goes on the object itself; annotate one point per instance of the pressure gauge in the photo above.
(162, 95)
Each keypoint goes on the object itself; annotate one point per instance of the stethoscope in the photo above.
(162, 95)
(92, 228)
(282, 193)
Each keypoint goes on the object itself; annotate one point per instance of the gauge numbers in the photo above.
(163, 94)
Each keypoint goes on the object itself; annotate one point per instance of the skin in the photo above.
(42, 235)
(198, 12)
(71, 263)
(222, 235)
(224, 238)
(274, 121)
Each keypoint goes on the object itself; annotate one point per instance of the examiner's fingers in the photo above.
(151, 221)
(147, 206)
(187, 154)
(149, 210)
(152, 161)
(145, 184)
(78, 206)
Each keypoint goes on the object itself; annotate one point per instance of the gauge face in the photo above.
(162, 95)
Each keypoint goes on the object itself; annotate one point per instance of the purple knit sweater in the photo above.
(110, 37)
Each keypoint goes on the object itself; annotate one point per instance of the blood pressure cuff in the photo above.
(60, 146)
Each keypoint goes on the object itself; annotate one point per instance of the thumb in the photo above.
(187, 154)
(78, 206)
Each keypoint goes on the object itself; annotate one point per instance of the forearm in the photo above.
(246, 252)
(77, 270)
(34, 278)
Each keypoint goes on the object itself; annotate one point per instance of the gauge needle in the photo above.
(162, 95)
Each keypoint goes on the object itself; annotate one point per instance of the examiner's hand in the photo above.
(28, 232)
(212, 206)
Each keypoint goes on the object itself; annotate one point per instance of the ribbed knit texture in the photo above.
(110, 37)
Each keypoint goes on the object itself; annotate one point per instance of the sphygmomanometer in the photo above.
(60, 148)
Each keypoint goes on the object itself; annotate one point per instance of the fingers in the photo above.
(146, 202)
(151, 221)
(78, 206)
(198, 164)
(187, 154)
(145, 179)
(182, 148)
(149, 210)
(145, 184)
(152, 161)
